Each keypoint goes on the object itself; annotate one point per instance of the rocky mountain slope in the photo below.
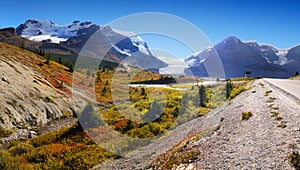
(238, 57)
(29, 95)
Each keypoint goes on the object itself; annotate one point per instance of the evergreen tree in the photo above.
(129, 126)
(89, 118)
(59, 60)
(143, 92)
(184, 102)
(98, 79)
(228, 88)
(22, 46)
(104, 90)
(202, 95)
(48, 60)
(88, 73)
(71, 67)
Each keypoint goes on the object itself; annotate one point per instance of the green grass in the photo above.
(246, 115)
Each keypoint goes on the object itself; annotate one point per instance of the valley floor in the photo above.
(263, 141)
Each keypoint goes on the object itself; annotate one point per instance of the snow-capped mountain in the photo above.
(237, 56)
(125, 43)
(75, 35)
(47, 30)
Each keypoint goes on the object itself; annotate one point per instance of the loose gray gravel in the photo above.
(257, 143)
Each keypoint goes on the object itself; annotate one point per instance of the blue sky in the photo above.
(272, 22)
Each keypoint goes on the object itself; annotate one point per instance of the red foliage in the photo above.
(64, 79)
(120, 124)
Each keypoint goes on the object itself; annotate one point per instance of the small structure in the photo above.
(247, 73)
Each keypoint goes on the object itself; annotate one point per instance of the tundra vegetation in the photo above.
(157, 111)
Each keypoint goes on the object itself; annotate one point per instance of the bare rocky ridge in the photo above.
(27, 98)
(256, 143)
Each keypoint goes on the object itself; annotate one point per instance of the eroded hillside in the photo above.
(32, 92)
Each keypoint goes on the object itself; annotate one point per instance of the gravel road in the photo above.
(290, 86)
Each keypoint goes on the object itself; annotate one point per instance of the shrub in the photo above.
(236, 91)
(7, 162)
(294, 159)
(275, 114)
(282, 125)
(267, 92)
(66, 114)
(49, 99)
(246, 115)
(278, 117)
(21, 148)
(270, 99)
(4, 132)
(261, 84)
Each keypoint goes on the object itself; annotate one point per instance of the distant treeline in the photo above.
(162, 80)
(69, 60)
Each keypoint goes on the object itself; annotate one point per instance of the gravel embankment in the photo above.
(257, 143)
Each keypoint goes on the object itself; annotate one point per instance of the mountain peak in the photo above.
(232, 39)
(34, 21)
